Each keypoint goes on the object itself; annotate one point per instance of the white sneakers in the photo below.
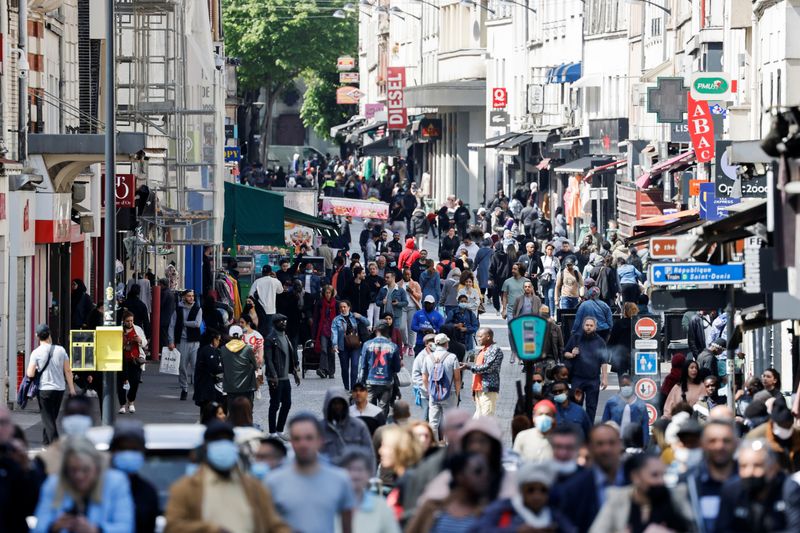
(122, 410)
(130, 408)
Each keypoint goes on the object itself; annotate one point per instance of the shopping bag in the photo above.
(403, 378)
(170, 362)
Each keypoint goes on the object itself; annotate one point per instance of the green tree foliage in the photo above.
(279, 40)
(320, 110)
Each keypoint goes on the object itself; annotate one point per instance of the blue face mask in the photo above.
(463, 305)
(129, 461)
(560, 398)
(543, 423)
(222, 454)
(259, 470)
(191, 469)
(537, 387)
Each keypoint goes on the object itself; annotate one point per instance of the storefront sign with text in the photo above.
(395, 100)
(701, 130)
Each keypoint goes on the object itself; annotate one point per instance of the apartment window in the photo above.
(592, 100)
(655, 27)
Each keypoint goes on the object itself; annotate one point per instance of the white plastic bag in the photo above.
(170, 362)
(403, 378)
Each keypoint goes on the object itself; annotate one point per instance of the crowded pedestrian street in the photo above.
(419, 266)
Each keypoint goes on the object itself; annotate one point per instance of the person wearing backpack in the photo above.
(49, 366)
(441, 377)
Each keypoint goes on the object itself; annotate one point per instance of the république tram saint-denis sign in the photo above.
(710, 86)
(696, 274)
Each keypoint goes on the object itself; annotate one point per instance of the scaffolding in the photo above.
(168, 88)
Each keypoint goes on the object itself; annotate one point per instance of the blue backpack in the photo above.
(439, 385)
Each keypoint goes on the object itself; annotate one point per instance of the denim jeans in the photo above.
(348, 361)
(568, 302)
(549, 292)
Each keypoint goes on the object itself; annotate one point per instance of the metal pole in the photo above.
(731, 368)
(110, 226)
(22, 84)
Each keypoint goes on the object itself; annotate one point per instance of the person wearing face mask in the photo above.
(426, 320)
(420, 360)
(239, 367)
(75, 422)
(270, 455)
(532, 444)
(567, 411)
(754, 502)
(586, 356)
(464, 322)
(626, 409)
(566, 441)
(644, 503)
(219, 496)
(127, 449)
(340, 429)
(781, 436)
(281, 362)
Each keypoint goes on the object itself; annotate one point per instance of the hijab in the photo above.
(674, 376)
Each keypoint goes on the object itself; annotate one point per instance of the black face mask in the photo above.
(753, 485)
(429, 307)
(658, 493)
(280, 325)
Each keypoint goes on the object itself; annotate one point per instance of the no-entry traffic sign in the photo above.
(652, 414)
(646, 328)
(646, 389)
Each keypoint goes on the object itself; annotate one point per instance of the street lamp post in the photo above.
(479, 3)
(110, 225)
(651, 3)
(525, 5)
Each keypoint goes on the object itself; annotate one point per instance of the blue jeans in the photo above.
(348, 360)
(549, 293)
(591, 394)
(568, 302)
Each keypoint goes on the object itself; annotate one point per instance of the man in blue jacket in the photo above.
(426, 320)
(464, 321)
(380, 361)
(595, 308)
(617, 405)
(567, 411)
(586, 357)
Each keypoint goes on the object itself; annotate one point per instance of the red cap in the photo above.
(547, 403)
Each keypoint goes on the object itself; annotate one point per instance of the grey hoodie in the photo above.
(349, 432)
(449, 297)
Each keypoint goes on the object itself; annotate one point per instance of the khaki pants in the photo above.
(485, 404)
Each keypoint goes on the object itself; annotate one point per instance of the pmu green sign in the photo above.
(527, 334)
(710, 86)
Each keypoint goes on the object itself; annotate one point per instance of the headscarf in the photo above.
(674, 376)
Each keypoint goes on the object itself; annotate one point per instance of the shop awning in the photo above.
(681, 160)
(568, 143)
(579, 166)
(380, 147)
(608, 167)
(342, 128)
(320, 226)
(253, 217)
(369, 128)
(564, 73)
(665, 220)
(494, 142)
(511, 145)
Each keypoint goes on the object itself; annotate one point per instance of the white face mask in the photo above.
(566, 467)
(782, 433)
(76, 425)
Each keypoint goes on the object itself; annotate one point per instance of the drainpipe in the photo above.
(22, 119)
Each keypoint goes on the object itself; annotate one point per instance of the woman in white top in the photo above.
(547, 280)
(467, 287)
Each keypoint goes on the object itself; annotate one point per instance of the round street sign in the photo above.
(646, 389)
(646, 328)
(652, 414)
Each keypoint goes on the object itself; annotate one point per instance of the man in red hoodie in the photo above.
(408, 255)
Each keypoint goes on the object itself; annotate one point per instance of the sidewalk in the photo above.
(157, 402)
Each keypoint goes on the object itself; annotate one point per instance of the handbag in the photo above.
(403, 378)
(29, 387)
(170, 361)
(351, 339)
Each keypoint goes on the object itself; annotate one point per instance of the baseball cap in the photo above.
(42, 330)
(429, 298)
(441, 339)
(235, 331)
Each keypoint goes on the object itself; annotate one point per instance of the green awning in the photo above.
(253, 217)
(323, 227)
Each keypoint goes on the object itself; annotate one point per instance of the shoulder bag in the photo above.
(29, 387)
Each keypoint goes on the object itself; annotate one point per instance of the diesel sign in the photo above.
(397, 116)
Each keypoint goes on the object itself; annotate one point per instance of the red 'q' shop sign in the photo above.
(397, 116)
(701, 129)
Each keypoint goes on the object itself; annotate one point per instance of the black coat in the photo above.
(19, 493)
(206, 370)
(736, 512)
(359, 295)
(140, 315)
(500, 268)
(275, 359)
(577, 498)
(145, 504)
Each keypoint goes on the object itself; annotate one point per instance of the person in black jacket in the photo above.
(619, 340)
(20, 479)
(754, 500)
(462, 218)
(133, 304)
(127, 449)
(81, 304)
(208, 371)
(358, 292)
(500, 270)
(696, 333)
(278, 351)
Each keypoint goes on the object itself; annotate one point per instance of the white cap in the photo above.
(441, 339)
(429, 298)
(235, 331)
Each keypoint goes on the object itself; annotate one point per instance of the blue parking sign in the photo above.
(646, 363)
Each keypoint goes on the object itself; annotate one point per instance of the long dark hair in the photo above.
(685, 376)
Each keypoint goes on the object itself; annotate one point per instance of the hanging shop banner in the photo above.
(53, 212)
(232, 154)
(499, 98)
(370, 110)
(710, 86)
(430, 129)
(701, 130)
(345, 63)
(125, 191)
(348, 77)
(355, 208)
(395, 99)
(108, 349)
(22, 239)
(348, 95)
